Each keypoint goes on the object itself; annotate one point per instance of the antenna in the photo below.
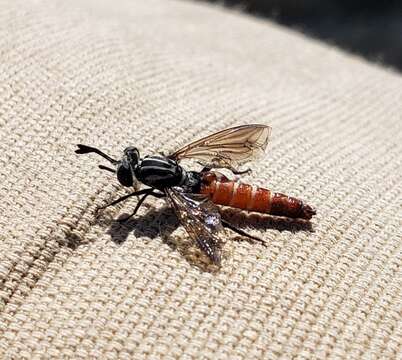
(84, 149)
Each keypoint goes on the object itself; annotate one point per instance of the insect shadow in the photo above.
(162, 222)
(155, 222)
(259, 221)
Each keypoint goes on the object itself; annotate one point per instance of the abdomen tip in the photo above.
(308, 212)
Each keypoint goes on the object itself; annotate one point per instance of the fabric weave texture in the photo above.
(159, 74)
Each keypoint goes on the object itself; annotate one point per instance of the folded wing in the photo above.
(201, 218)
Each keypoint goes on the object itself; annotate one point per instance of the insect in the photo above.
(194, 195)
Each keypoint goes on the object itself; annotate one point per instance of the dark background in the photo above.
(370, 28)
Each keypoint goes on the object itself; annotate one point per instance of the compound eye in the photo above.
(130, 149)
(132, 154)
(124, 175)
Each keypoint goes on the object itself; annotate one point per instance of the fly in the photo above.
(194, 195)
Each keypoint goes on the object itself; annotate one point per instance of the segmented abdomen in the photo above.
(223, 191)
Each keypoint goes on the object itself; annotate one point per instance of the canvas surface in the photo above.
(158, 74)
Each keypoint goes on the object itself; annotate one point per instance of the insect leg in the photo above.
(136, 193)
(157, 195)
(205, 168)
(240, 172)
(135, 210)
(235, 171)
(241, 232)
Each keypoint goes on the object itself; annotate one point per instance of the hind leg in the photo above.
(241, 232)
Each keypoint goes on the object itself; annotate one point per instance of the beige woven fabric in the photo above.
(157, 74)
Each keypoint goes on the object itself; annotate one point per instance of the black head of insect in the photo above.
(124, 167)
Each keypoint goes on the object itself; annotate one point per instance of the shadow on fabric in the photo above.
(163, 222)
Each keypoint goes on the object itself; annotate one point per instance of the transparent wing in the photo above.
(228, 147)
(201, 218)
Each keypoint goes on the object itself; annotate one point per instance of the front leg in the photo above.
(125, 197)
(140, 202)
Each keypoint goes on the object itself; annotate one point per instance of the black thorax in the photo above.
(161, 172)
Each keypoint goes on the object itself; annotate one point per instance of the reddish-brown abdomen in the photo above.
(223, 191)
(283, 205)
